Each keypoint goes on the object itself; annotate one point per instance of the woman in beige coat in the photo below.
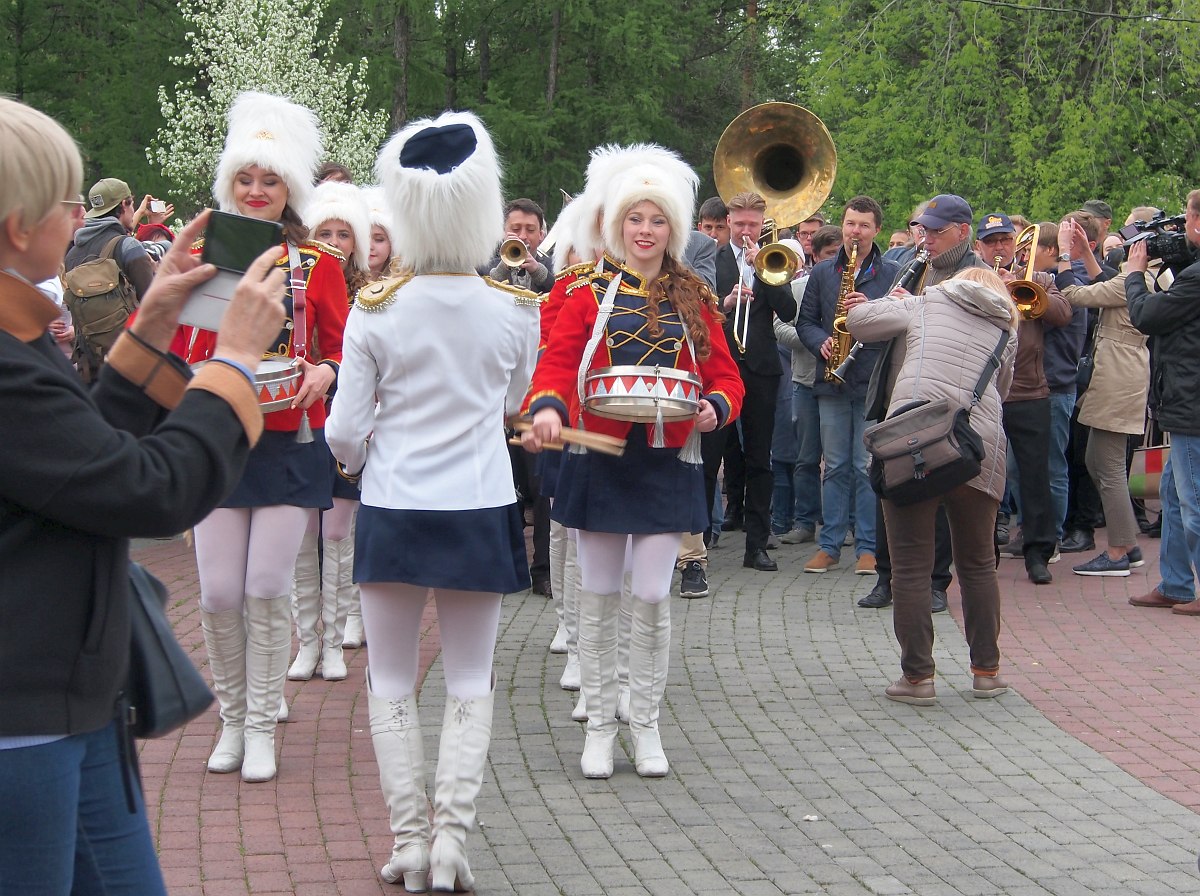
(1114, 407)
(950, 332)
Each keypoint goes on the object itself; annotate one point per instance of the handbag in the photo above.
(1145, 471)
(165, 690)
(926, 448)
(1087, 360)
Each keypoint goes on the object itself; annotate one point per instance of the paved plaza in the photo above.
(790, 771)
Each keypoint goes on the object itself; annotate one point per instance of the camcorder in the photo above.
(1165, 239)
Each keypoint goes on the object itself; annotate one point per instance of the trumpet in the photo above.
(513, 252)
(1030, 297)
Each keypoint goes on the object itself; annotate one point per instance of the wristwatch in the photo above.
(1065, 256)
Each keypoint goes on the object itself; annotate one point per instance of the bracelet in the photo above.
(241, 368)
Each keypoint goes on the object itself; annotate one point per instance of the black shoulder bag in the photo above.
(926, 448)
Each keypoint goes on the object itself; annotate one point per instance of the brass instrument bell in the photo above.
(1029, 296)
(513, 252)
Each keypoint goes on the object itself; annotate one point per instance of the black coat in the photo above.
(762, 352)
(1173, 319)
(80, 473)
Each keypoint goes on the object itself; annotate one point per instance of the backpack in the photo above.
(100, 299)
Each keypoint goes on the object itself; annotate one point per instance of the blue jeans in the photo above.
(845, 479)
(1061, 406)
(65, 826)
(783, 456)
(1177, 551)
(806, 481)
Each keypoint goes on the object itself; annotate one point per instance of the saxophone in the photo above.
(842, 340)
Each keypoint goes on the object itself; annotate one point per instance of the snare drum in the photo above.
(639, 394)
(277, 381)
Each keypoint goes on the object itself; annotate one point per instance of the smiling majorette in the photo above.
(639, 341)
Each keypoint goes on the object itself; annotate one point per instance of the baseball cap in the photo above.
(1099, 208)
(996, 222)
(105, 196)
(945, 209)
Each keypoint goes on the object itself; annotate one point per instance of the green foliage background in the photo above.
(1012, 106)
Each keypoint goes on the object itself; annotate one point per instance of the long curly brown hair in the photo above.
(687, 293)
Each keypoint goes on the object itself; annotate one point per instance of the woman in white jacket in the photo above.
(949, 334)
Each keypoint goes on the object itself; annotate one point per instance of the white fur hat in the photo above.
(273, 133)
(565, 232)
(381, 215)
(672, 187)
(336, 201)
(445, 176)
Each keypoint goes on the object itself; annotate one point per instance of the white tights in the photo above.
(333, 524)
(247, 551)
(650, 558)
(467, 621)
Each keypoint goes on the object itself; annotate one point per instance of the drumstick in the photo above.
(593, 441)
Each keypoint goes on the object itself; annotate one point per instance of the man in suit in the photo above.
(758, 362)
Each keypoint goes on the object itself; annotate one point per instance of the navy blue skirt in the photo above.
(463, 550)
(547, 467)
(646, 491)
(281, 470)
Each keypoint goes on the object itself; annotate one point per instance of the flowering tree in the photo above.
(276, 46)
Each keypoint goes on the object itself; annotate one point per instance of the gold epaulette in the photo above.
(582, 270)
(378, 295)
(323, 247)
(521, 296)
(199, 244)
(583, 281)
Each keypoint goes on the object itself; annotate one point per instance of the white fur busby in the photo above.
(273, 133)
(672, 187)
(608, 164)
(336, 201)
(380, 212)
(442, 181)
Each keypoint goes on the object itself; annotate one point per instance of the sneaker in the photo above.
(1135, 557)
(694, 581)
(797, 536)
(1015, 547)
(848, 541)
(985, 686)
(1056, 556)
(920, 693)
(772, 542)
(1103, 565)
(821, 562)
(880, 597)
(865, 565)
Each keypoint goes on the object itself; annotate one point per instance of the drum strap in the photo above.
(299, 328)
(589, 351)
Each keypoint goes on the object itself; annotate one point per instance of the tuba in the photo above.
(1029, 296)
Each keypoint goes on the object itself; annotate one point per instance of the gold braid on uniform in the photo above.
(374, 297)
(687, 293)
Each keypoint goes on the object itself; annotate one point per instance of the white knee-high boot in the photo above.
(396, 736)
(558, 559)
(598, 670)
(336, 573)
(462, 755)
(624, 627)
(570, 598)
(225, 640)
(354, 636)
(649, 655)
(268, 643)
(306, 608)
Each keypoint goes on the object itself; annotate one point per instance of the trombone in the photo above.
(775, 265)
(1029, 296)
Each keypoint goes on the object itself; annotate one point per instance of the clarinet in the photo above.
(909, 276)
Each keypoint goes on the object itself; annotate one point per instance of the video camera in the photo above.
(1165, 239)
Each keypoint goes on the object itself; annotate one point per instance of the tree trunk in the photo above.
(451, 35)
(401, 45)
(751, 52)
(555, 42)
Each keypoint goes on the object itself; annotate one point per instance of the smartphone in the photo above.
(231, 244)
(158, 206)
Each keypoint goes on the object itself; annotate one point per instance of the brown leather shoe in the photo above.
(821, 562)
(919, 693)
(1187, 608)
(984, 687)
(1155, 599)
(865, 565)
